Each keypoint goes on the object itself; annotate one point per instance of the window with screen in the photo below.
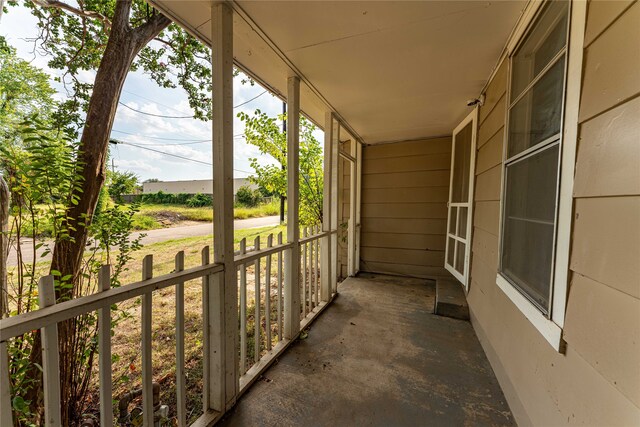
(536, 97)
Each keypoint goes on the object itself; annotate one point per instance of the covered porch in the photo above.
(378, 356)
(334, 324)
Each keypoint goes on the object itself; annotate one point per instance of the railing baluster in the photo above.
(318, 261)
(243, 310)
(181, 384)
(50, 356)
(147, 367)
(6, 415)
(206, 342)
(267, 295)
(311, 258)
(104, 337)
(304, 273)
(256, 337)
(280, 319)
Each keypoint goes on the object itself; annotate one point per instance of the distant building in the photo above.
(203, 186)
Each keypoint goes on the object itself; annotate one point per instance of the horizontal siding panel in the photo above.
(488, 184)
(493, 123)
(611, 66)
(601, 15)
(608, 160)
(403, 179)
(424, 226)
(485, 247)
(496, 90)
(404, 210)
(407, 164)
(405, 195)
(409, 148)
(487, 216)
(606, 242)
(403, 256)
(483, 275)
(600, 319)
(490, 154)
(426, 272)
(434, 242)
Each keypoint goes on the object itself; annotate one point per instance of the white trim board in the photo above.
(551, 328)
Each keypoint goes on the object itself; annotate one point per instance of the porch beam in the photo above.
(326, 264)
(222, 325)
(292, 256)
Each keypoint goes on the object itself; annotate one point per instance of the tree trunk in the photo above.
(123, 46)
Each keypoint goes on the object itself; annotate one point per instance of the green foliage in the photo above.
(199, 201)
(43, 174)
(161, 198)
(24, 91)
(121, 183)
(264, 132)
(246, 196)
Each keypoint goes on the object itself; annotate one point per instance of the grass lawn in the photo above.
(158, 216)
(126, 339)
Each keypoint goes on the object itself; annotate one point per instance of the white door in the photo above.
(458, 245)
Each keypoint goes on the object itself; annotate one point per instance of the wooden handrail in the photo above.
(21, 324)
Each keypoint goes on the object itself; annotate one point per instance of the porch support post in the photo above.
(335, 143)
(358, 206)
(327, 265)
(222, 325)
(292, 256)
(353, 203)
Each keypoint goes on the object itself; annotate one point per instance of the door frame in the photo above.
(463, 278)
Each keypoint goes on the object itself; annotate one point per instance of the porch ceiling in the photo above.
(391, 70)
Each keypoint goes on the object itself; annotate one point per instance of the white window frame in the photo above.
(463, 278)
(550, 327)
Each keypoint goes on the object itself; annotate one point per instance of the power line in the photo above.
(154, 101)
(252, 99)
(180, 117)
(117, 142)
(154, 115)
(161, 138)
(187, 141)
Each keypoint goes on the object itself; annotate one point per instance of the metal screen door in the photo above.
(458, 245)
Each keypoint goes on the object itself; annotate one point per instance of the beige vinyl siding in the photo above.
(405, 187)
(603, 312)
(597, 380)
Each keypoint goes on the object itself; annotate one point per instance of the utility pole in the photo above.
(284, 131)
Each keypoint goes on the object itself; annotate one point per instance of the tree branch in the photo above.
(150, 29)
(74, 10)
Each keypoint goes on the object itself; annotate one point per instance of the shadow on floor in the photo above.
(378, 356)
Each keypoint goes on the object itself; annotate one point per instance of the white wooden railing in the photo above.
(266, 307)
(50, 314)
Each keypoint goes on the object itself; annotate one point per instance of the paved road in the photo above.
(155, 236)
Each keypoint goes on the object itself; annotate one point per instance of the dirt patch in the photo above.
(170, 219)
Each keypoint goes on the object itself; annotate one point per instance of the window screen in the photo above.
(533, 156)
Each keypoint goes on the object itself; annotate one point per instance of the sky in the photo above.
(181, 137)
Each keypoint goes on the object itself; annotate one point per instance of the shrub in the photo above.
(161, 198)
(248, 197)
(199, 201)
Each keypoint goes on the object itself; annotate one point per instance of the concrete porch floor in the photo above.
(378, 356)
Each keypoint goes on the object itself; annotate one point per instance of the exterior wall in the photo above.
(597, 380)
(204, 186)
(405, 187)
